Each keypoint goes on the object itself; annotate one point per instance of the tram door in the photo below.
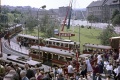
(47, 59)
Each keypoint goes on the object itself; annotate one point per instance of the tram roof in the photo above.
(30, 62)
(54, 50)
(61, 40)
(28, 36)
(118, 37)
(97, 46)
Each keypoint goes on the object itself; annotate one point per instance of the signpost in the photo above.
(63, 34)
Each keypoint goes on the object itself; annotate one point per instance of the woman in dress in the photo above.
(89, 67)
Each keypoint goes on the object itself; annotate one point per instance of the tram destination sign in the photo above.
(66, 34)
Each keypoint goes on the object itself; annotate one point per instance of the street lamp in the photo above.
(42, 7)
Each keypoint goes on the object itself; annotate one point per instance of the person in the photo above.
(108, 77)
(23, 75)
(29, 71)
(98, 77)
(105, 64)
(95, 70)
(115, 72)
(101, 65)
(89, 67)
(60, 77)
(37, 73)
(19, 44)
(60, 71)
(18, 69)
(70, 70)
(109, 69)
(83, 70)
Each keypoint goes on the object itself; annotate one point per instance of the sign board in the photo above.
(56, 31)
(65, 34)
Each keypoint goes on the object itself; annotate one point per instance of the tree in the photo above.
(31, 23)
(116, 18)
(3, 18)
(48, 25)
(116, 12)
(106, 34)
(91, 18)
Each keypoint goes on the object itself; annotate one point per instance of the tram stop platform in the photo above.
(16, 47)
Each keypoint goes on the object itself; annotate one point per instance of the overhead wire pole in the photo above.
(0, 37)
(42, 7)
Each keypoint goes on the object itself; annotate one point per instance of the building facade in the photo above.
(103, 9)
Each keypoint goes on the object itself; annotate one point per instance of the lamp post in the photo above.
(42, 7)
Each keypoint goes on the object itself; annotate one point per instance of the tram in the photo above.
(92, 48)
(51, 56)
(28, 40)
(12, 31)
(62, 44)
(48, 42)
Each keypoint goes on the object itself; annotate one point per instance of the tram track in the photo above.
(7, 50)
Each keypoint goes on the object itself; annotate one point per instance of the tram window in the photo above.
(61, 58)
(57, 44)
(66, 45)
(68, 59)
(55, 56)
(53, 43)
(47, 42)
(34, 52)
(70, 46)
(61, 44)
(39, 53)
(50, 42)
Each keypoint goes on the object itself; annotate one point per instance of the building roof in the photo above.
(96, 3)
(103, 2)
(111, 2)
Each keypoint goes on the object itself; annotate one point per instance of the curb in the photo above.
(6, 45)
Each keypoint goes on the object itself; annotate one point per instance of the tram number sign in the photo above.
(66, 34)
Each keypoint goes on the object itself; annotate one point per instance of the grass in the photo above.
(86, 35)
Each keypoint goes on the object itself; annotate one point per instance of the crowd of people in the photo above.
(86, 68)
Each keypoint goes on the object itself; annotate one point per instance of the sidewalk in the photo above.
(17, 48)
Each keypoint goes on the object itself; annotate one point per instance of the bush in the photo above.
(89, 27)
(82, 26)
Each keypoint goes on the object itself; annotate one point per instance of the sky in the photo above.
(50, 4)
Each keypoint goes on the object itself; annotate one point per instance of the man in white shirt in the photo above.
(99, 58)
(60, 71)
(109, 69)
(70, 70)
(105, 64)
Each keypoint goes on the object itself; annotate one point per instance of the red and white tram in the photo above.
(51, 56)
(62, 44)
(91, 48)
